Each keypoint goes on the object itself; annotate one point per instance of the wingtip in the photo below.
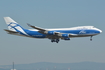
(29, 24)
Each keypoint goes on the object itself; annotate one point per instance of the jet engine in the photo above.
(50, 32)
(47, 32)
(65, 35)
(66, 38)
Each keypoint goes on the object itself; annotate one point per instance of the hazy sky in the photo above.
(52, 14)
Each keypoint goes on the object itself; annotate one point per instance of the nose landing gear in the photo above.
(91, 38)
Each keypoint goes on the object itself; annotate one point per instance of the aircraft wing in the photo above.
(44, 31)
(60, 34)
(36, 27)
(72, 34)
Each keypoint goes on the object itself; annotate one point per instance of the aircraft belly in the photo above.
(35, 34)
(83, 35)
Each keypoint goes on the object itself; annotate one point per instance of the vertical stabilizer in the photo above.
(14, 26)
(11, 23)
(8, 20)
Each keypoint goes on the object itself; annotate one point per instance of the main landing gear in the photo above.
(91, 38)
(55, 40)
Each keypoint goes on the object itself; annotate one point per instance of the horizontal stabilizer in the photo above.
(9, 31)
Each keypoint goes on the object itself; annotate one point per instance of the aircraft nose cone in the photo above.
(100, 31)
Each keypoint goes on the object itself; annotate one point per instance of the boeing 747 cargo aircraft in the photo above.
(53, 34)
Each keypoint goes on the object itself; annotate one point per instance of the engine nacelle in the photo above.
(65, 35)
(66, 38)
(50, 32)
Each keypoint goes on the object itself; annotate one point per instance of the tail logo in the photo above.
(13, 25)
(16, 27)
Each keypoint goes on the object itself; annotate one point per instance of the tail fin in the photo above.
(14, 26)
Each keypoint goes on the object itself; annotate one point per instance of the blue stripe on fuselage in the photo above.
(79, 31)
(36, 34)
